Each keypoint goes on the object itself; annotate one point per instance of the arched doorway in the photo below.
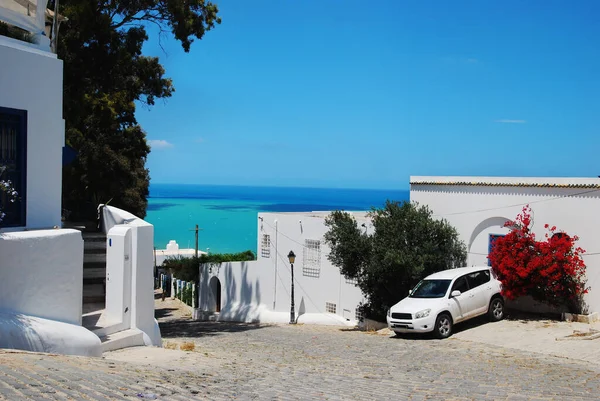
(481, 238)
(215, 292)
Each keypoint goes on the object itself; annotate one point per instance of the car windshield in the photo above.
(430, 289)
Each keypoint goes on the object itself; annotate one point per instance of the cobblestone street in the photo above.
(240, 361)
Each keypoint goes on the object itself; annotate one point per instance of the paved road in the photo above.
(236, 361)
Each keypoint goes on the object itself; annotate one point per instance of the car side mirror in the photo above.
(455, 293)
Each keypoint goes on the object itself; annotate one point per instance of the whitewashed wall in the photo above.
(42, 274)
(260, 291)
(311, 293)
(141, 257)
(477, 211)
(32, 80)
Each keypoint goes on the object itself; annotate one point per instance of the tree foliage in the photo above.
(551, 271)
(188, 269)
(105, 75)
(407, 244)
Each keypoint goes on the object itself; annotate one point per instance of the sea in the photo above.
(228, 215)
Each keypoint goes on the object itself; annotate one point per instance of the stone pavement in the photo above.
(301, 362)
(549, 337)
(247, 362)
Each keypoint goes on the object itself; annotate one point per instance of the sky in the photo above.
(356, 94)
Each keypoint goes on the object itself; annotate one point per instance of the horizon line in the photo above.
(281, 186)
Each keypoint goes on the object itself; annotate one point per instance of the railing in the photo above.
(30, 16)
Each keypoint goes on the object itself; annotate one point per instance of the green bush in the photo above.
(15, 33)
(407, 244)
(186, 296)
(188, 269)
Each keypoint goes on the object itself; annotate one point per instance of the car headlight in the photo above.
(422, 313)
(389, 312)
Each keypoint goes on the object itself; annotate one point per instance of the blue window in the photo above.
(493, 237)
(13, 157)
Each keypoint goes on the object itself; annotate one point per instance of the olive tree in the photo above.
(408, 244)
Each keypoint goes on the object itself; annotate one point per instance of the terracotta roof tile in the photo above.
(506, 184)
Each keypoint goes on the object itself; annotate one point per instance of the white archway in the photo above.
(477, 247)
(215, 294)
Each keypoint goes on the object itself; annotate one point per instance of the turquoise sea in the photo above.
(228, 215)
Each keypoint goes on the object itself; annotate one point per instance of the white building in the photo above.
(174, 251)
(42, 264)
(261, 290)
(479, 206)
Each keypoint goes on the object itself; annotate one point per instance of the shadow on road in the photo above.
(164, 313)
(192, 328)
(524, 317)
(467, 325)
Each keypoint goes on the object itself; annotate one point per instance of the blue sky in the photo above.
(332, 93)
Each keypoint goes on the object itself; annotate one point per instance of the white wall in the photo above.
(32, 80)
(261, 290)
(244, 290)
(477, 211)
(311, 293)
(118, 276)
(141, 255)
(42, 274)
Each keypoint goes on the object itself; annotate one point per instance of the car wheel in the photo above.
(443, 326)
(496, 310)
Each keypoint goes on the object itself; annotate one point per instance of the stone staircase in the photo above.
(94, 263)
(113, 335)
(94, 267)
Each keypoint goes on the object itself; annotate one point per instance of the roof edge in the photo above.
(541, 182)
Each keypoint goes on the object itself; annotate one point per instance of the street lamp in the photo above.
(292, 259)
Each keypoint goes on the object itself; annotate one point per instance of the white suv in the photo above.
(445, 298)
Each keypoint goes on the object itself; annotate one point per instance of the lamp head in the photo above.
(292, 257)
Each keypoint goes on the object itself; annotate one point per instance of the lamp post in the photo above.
(292, 259)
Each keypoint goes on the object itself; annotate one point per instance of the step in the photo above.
(93, 293)
(122, 339)
(93, 289)
(94, 258)
(105, 328)
(94, 236)
(94, 246)
(92, 299)
(84, 227)
(94, 273)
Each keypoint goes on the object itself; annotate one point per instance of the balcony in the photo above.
(28, 23)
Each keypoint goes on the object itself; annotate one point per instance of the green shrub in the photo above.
(15, 33)
(188, 269)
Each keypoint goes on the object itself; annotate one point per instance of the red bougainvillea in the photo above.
(551, 271)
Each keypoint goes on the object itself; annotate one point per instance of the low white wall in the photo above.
(478, 211)
(42, 274)
(32, 80)
(142, 269)
(19, 331)
(241, 290)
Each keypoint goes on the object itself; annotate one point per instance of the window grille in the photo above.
(358, 314)
(265, 246)
(13, 142)
(311, 261)
(492, 238)
(330, 307)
